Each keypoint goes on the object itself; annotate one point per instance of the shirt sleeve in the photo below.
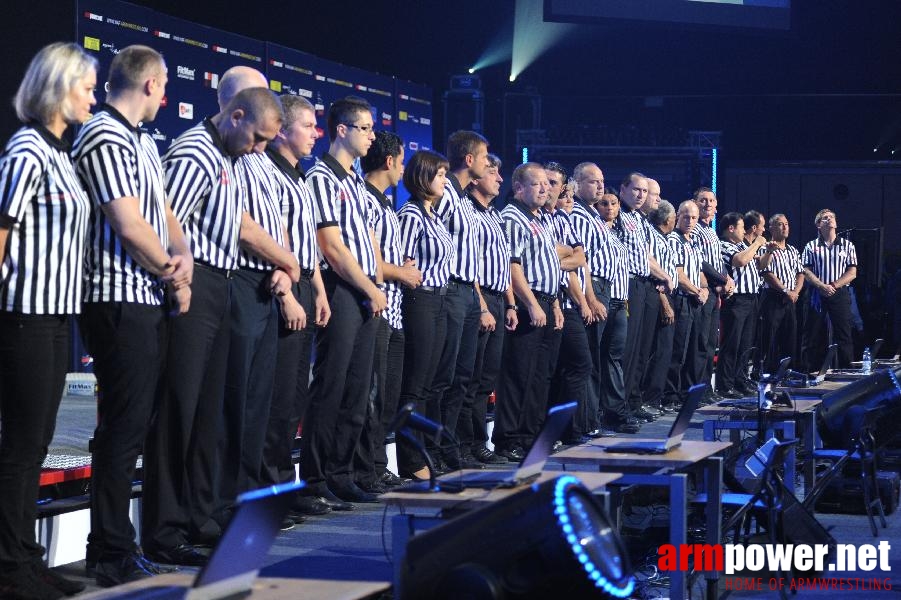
(187, 182)
(514, 239)
(410, 233)
(108, 171)
(20, 178)
(326, 199)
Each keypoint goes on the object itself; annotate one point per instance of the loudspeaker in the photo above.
(845, 494)
(800, 526)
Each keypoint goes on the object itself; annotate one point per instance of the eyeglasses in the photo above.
(364, 129)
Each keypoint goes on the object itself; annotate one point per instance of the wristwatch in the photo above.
(511, 307)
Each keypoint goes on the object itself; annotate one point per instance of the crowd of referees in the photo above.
(204, 280)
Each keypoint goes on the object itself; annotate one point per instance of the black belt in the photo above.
(306, 273)
(440, 290)
(227, 273)
(459, 281)
(492, 292)
(639, 277)
(542, 297)
(600, 280)
(617, 304)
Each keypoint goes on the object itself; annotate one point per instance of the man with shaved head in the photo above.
(182, 462)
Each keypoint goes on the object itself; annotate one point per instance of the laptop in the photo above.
(674, 438)
(820, 376)
(558, 418)
(754, 402)
(241, 551)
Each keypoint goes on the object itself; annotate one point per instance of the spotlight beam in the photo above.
(532, 36)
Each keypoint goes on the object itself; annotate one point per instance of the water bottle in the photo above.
(866, 364)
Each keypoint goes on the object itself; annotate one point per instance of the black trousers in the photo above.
(529, 358)
(613, 347)
(181, 462)
(778, 328)
(683, 372)
(387, 373)
(472, 424)
(591, 416)
(425, 330)
(739, 313)
(291, 392)
(638, 293)
(458, 356)
(248, 385)
(701, 353)
(814, 338)
(654, 379)
(34, 358)
(573, 370)
(128, 343)
(342, 376)
(649, 313)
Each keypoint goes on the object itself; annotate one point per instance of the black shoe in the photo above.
(123, 569)
(334, 502)
(731, 394)
(468, 461)
(441, 466)
(643, 414)
(287, 524)
(184, 554)
(376, 487)
(630, 425)
(24, 584)
(309, 505)
(389, 479)
(353, 493)
(483, 454)
(747, 388)
(576, 440)
(69, 587)
(513, 454)
(601, 432)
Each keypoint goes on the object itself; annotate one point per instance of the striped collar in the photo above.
(455, 183)
(522, 207)
(379, 195)
(838, 242)
(332, 163)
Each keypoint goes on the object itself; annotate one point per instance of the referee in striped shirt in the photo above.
(494, 284)
(467, 154)
(740, 308)
(830, 265)
(342, 371)
(182, 462)
(384, 168)
(264, 260)
(535, 273)
(44, 216)
(688, 300)
(783, 279)
(138, 254)
(290, 397)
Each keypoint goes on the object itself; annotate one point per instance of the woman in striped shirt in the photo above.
(43, 223)
(425, 240)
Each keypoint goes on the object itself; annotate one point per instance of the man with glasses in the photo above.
(342, 371)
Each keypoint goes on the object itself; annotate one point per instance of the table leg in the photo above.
(714, 512)
(403, 527)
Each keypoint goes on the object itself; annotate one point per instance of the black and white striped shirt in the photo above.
(563, 233)
(258, 176)
(827, 262)
(707, 242)
(115, 160)
(205, 194)
(297, 210)
(532, 245)
(632, 233)
(661, 251)
(425, 239)
(339, 200)
(590, 229)
(785, 265)
(46, 209)
(619, 281)
(746, 278)
(383, 221)
(686, 256)
(458, 215)
(494, 266)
